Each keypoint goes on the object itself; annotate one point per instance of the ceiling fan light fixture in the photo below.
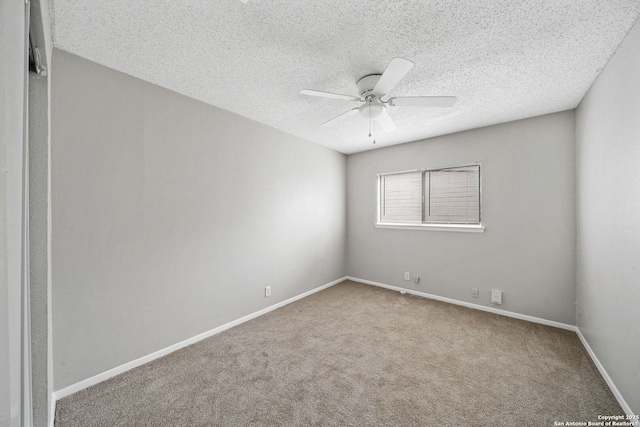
(371, 110)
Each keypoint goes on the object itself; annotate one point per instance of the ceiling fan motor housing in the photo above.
(367, 83)
(372, 107)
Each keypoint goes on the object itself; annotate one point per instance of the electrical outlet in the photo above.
(416, 279)
(496, 296)
(407, 276)
(267, 291)
(474, 293)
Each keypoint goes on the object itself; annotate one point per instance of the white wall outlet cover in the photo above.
(407, 275)
(496, 296)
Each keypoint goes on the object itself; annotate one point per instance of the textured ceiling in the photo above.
(504, 60)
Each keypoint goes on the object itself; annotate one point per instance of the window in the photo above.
(448, 197)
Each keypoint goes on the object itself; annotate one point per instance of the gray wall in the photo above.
(5, 366)
(40, 298)
(39, 245)
(608, 212)
(170, 217)
(528, 208)
(12, 80)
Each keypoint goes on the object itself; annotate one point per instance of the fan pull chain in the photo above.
(369, 118)
(369, 100)
(374, 133)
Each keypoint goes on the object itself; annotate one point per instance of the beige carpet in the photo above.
(357, 355)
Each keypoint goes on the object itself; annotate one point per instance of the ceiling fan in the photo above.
(373, 90)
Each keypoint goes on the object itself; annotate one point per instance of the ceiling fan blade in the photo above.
(386, 121)
(329, 95)
(395, 71)
(424, 101)
(341, 116)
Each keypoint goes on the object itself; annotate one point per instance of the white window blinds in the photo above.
(453, 195)
(434, 196)
(401, 196)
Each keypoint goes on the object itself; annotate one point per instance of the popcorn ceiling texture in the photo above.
(504, 60)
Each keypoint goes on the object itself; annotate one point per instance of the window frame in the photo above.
(469, 228)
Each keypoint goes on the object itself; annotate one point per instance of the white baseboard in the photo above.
(603, 372)
(469, 305)
(623, 403)
(74, 388)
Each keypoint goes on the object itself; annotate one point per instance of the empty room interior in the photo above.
(252, 212)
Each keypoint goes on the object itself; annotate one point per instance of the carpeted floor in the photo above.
(357, 355)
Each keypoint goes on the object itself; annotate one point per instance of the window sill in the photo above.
(435, 227)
